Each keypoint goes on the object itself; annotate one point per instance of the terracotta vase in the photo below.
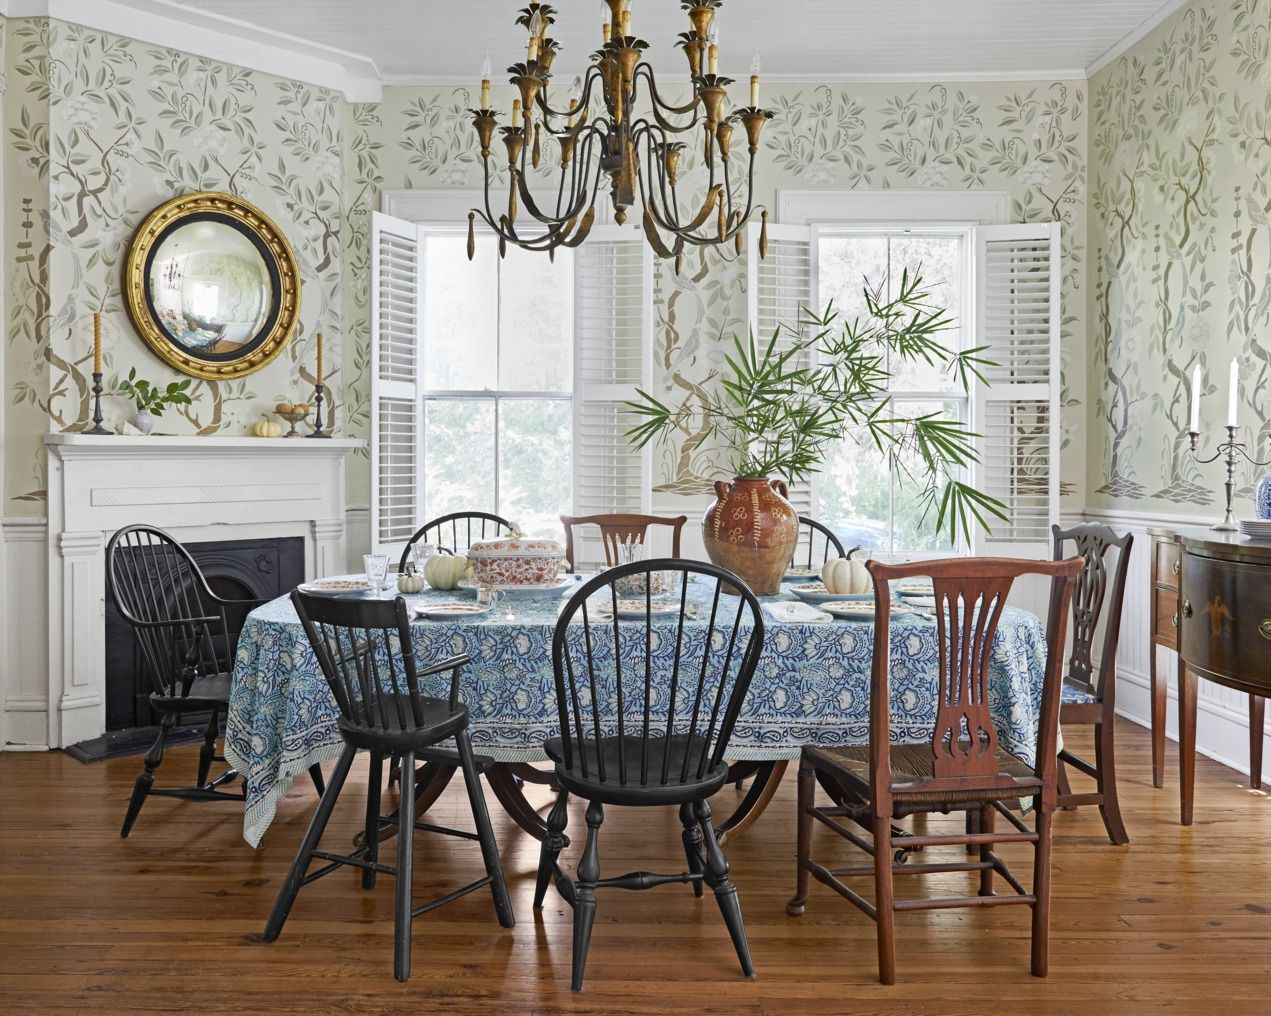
(752, 529)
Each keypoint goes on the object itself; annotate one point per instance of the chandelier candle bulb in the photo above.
(1233, 395)
(97, 343)
(754, 80)
(1194, 427)
(485, 82)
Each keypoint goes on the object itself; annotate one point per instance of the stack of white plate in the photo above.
(1259, 529)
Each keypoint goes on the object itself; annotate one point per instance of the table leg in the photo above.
(1160, 691)
(1186, 740)
(1256, 720)
(502, 779)
(767, 779)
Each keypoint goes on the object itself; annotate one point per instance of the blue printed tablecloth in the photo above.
(811, 687)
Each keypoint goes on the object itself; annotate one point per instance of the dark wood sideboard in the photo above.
(1211, 601)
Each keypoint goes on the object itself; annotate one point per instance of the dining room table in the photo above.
(810, 687)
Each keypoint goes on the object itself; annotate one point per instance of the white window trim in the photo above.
(863, 207)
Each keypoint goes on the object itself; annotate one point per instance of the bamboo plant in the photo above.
(779, 408)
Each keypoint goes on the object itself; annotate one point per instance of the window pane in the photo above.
(939, 260)
(853, 495)
(913, 531)
(535, 476)
(845, 264)
(458, 456)
(536, 322)
(460, 314)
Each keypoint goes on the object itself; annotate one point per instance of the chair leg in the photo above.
(1041, 889)
(485, 832)
(585, 908)
(716, 876)
(692, 837)
(988, 819)
(208, 750)
(884, 899)
(295, 875)
(405, 869)
(553, 844)
(1257, 706)
(1065, 788)
(1105, 762)
(371, 838)
(315, 775)
(145, 780)
(807, 798)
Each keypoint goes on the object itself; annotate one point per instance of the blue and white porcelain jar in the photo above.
(1262, 497)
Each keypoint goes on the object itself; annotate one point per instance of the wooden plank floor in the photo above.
(168, 921)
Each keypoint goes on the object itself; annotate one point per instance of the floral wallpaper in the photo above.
(99, 129)
(1180, 242)
(1028, 139)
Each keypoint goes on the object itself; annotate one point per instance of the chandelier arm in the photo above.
(660, 104)
(659, 214)
(584, 98)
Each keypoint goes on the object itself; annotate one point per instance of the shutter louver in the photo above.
(779, 288)
(613, 331)
(396, 281)
(1017, 413)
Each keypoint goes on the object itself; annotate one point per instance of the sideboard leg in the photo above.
(1160, 692)
(1186, 740)
(1256, 706)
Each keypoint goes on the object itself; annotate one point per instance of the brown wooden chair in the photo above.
(615, 530)
(962, 767)
(1088, 696)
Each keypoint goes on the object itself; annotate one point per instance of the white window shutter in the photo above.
(396, 410)
(613, 351)
(779, 288)
(1017, 316)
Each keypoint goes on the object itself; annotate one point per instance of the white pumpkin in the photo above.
(410, 583)
(846, 576)
(445, 570)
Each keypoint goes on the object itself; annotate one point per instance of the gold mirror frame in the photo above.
(269, 241)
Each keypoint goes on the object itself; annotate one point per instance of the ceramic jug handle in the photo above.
(780, 487)
(722, 489)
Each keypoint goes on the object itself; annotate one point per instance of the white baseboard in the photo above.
(24, 656)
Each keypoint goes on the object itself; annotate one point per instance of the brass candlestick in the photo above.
(317, 413)
(97, 427)
(1228, 448)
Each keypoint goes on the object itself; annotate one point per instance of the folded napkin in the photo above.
(795, 612)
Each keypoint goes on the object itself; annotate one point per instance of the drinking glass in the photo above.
(376, 567)
(419, 555)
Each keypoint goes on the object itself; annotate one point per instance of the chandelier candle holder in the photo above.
(615, 128)
(1227, 450)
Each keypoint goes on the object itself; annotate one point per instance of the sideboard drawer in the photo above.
(1167, 562)
(1225, 619)
(1165, 617)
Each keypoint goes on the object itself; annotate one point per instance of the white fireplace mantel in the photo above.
(196, 488)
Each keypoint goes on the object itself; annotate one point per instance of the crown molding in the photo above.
(1167, 11)
(167, 23)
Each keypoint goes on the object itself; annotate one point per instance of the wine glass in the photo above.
(376, 567)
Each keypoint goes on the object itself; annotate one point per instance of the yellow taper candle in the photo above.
(97, 343)
(319, 358)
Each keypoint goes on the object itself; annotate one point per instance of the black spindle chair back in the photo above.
(181, 626)
(456, 532)
(607, 671)
(817, 544)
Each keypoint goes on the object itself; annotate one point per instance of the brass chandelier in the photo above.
(601, 134)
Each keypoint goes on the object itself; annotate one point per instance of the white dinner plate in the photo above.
(915, 587)
(544, 591)
(335, 587)
(452, 611)
(849, 610)
(1257, 528)
(815, 592)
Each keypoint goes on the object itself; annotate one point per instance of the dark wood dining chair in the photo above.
(647, 706)
(962, 767)
(187, 650)
(817, 544)
(617, 529)
(456, 532)
(365, 650)
(1088, 697)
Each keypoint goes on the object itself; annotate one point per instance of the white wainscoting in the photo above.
(1222, 725)
(24, 688)
(357, 536)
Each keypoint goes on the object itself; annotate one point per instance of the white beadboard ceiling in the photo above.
(832, 40)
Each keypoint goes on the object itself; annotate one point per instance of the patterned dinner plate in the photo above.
(634, 609)
(815, 592)
(915, 587)
(801, 574)
(335, 587)
(527, 592)
(449, 611)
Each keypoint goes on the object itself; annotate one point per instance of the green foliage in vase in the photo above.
(779, 407)
(149, 397)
